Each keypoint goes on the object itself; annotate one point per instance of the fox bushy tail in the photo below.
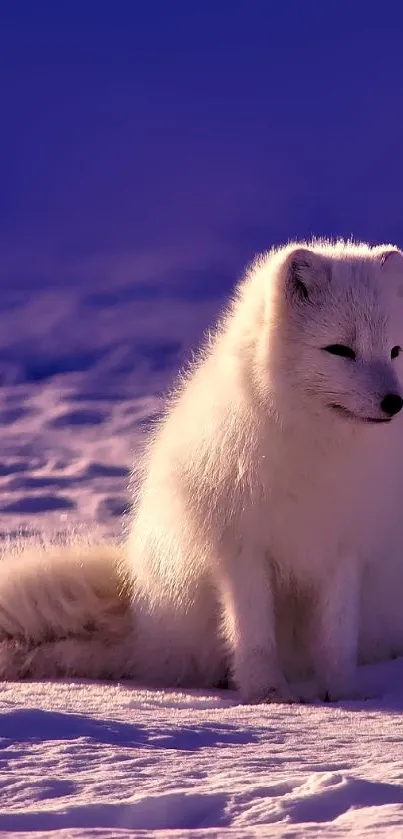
(64, 611)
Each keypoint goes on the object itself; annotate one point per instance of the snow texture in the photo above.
(116, 760)
(82, 375)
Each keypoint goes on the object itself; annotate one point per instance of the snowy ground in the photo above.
(81, 375)
(116, 760)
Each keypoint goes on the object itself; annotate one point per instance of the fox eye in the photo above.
(395, 351)
(340, 349)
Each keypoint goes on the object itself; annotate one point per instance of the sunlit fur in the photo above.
(265, 546)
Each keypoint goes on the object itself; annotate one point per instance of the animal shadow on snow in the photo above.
(33, 725)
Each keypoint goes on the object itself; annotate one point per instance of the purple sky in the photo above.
(135, 129)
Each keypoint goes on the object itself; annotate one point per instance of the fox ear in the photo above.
(392, 264)
(306, 272)
(391, 257)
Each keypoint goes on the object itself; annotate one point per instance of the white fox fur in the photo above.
(265, 543)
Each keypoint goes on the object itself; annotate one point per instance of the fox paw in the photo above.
(352, 695)
(279, 695)
(341, 689)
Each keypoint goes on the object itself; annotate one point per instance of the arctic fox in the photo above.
(268, 513)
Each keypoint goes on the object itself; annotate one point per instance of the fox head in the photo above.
(332, 336)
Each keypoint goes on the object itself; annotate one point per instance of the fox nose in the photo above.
(391, 404)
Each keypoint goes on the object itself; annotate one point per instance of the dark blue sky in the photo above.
(147, 126)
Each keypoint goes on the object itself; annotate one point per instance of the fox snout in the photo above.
(391, 404)
(386, 388)
(375, 394)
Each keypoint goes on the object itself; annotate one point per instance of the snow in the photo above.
(82, 369)
(115, 760)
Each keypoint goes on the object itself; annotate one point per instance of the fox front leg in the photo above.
(247, 597)
(335, 632)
